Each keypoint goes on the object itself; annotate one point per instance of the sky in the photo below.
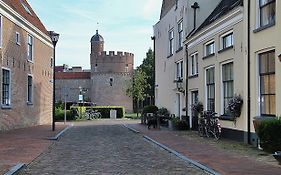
(126, 25)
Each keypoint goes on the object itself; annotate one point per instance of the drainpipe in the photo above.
(249, 77)
(153, 38)
(195, 6)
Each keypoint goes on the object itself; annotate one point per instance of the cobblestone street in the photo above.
(106, 147)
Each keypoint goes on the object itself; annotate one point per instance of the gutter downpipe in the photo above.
(195, 6)
(153, 38)
(249, 77)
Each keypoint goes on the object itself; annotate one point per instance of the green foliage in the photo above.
(179, 124)
(137, 88)
(148, 67)
(163, 111)
(150, 109)
(105, 111)
(59, 114)
(197, 108)
(132, 116)
(269, 132)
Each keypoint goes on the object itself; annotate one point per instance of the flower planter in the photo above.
(277, 156)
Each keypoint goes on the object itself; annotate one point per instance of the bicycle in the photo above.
(92, 114)
(209, 125)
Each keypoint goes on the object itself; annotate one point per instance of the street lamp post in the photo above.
(54, 37)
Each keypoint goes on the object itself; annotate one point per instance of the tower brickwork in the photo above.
(110, 73)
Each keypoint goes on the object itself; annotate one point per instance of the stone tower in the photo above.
(110, 72)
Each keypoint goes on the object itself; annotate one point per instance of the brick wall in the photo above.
(103, 93)
(14, 57)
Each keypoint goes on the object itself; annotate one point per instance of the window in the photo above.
(267, 9)
(51, 62)
(194, 64)
(26, 8)
(30, 47)
(227, 40)
(228, 84)
(210, 48)
(29, 89)
(17, 38)
(179, 70)
(126, 68)
(180, 30)
(6, 87)
(267, 83)
(194, 100)
(210, 85)
(171, 42)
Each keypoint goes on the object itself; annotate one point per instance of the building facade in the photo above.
(233, 51)
(104, 84)
(176, 22)
(26, 67)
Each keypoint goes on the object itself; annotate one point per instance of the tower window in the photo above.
(110, 81)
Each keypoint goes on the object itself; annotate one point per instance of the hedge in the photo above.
(150, 109)
(59, 115)
(104, 110)
(269, 133)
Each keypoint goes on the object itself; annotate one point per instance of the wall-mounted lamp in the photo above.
(179, 83)
(279, 56)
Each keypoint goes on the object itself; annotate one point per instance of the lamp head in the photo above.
(54, 37)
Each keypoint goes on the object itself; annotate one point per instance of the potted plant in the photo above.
(197, 108)
(234, 106)
(277, 156)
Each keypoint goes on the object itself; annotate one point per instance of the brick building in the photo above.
(26, 67)
(104, 84)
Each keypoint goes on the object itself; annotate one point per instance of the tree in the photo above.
(148, 67)
(137, 88)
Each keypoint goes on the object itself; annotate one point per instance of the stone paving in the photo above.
(106, 147)
(23, 145)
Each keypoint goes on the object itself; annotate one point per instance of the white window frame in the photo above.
(258, 95)
(221, 89)
(205, 47)
(258, 16)
(32, 90)
(206, 89)
(194, 67)
(10, 88)
(180, 34)
(171, 37)
(32, 47)
(180, 73)
(225, 35)
(18, 38)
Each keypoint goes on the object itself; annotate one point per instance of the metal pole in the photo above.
(54, 88)
(65, 105)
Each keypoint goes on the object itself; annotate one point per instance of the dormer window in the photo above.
(25, 8)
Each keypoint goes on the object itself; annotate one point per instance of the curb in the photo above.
(184, 158)
(60, 133)
(131, 129)
(15, 169)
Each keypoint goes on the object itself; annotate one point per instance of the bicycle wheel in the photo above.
(98, 115)
(208, 131)
(217, 132)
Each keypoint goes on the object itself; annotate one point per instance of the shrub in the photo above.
(269, 133)
(197, 108)
(105, 111)
(234, 106)
(150, 109)
(59, 115)
(163, 112)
